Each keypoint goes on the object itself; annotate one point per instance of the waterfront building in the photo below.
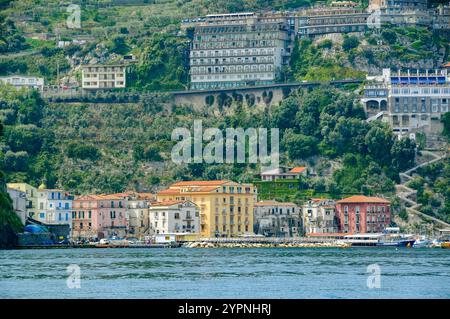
(226, 207)
(19, 202)
(98, 76)
(54, 206)
(99, 216)
(20, 81)
(138, 205)
(238, 49)
(363, 214)
(31, 197)
(277, 219)
(174, 216)
(410, 101)
(319, 216)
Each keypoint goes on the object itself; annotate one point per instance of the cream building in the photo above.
(31, 197)
(226, 207)
(137, 213)
(103, 76)
(277, 219)
(319, 216)
(19, 201)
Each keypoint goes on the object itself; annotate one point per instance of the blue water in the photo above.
(226, 273)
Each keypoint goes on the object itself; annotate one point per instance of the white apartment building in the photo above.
(174, 216)
(19, 202)
(319, 216)
(238, 49)
(54, 206)
(277, 219)
(20, 81)
(103, 76)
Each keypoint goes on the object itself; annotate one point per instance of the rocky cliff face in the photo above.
(10, 223)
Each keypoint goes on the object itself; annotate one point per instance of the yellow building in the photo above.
(32, 197)
(226, 207)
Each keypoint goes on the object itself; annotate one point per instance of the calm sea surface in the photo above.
(226, 273)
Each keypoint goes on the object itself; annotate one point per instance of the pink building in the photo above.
(363, 214)
(99, 216)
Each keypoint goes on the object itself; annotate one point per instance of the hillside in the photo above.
(104, 147)
(152, 33)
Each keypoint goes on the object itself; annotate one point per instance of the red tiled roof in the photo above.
(99, 197)
(298, 169)
(168, 203)
(363, 199)
(169, 191)
(200, 183)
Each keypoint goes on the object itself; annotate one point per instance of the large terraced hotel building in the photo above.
(241, 49)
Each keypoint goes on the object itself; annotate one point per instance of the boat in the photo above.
(445, 244)
(380, 240)
(421, 242)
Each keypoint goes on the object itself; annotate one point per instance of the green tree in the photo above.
(350, 42)
(403, 153)
(299, 146)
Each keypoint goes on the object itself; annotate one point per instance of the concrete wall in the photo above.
(28, 239)
(225, 98)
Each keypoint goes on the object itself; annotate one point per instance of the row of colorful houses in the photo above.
(219, 208)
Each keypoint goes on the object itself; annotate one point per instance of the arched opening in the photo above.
(372, 105)
(383, 105)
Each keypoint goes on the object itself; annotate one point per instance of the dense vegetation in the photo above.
(10, 223)
(103, 148)
(433, 189)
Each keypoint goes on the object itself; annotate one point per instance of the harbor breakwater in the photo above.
(264, 244)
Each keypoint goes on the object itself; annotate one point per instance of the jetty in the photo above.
(265, 242)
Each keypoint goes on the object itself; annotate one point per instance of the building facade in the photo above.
(277, 219)
(138, 205)
(226, 207)
(363, 214)
(177, 216)
(239, 49)
(412, 101)
(99, 216)
(103, 76)
(20, 81)
(31, 197)
(319, 216)
(19, 202)
(319, 21)
(54, 206)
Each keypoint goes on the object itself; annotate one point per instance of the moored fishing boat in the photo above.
(445, 244)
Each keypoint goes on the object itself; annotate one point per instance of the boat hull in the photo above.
(400, 243)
